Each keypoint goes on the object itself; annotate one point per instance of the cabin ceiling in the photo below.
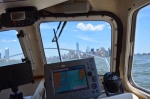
(40, 4)
(57, 6)
(114, 6)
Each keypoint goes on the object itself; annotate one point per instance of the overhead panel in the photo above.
(40, 4)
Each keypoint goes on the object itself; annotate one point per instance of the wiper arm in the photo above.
(64, 24)
(56, 31)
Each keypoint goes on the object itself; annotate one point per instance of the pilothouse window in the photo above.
(141, 61)
(10, 49)
(78, 39)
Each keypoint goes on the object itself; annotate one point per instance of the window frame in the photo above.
(81, 52)
(112, 19)
(131, 52)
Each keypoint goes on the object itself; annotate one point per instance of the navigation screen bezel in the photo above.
(70, 69)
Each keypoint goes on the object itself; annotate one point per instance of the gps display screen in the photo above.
(69, 79)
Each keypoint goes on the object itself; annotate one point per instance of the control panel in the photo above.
(77, 79)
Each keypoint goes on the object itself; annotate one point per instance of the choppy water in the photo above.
(140, 70)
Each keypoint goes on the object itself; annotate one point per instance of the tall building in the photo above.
(0, 55)
(7, 53)
(77, 46)
(88, 49)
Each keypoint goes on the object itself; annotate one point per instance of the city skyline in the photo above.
(6, 55)
(101, 51)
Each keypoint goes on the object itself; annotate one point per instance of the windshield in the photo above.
(78, 39)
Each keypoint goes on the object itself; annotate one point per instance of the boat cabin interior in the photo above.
(74, 49)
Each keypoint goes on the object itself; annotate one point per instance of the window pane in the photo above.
(10, 49)
(141, 62)
(79, 39)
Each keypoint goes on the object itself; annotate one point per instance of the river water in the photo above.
(140, 70)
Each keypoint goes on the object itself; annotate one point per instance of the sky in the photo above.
(142, 37)
(92, 34)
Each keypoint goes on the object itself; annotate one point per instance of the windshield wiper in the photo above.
(56, 31)
(55, 39)
(64, 24)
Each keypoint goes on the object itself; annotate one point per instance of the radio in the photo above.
(19, 17)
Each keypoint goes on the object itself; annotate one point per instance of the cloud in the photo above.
(109, 27)
(0, 50)
(90, 27)
(16, 32)
(7, 41)
(87, 38)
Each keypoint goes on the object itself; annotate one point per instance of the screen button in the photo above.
(94, 79)
(94, 85)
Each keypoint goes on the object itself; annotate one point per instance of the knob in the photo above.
(90, 73)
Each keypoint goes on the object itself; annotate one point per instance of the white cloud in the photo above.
(86, 38)
(7, 41)
(90, 27)
(109, 27)
(0, 50)
(16, 32)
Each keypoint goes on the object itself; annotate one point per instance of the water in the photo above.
(140, 70)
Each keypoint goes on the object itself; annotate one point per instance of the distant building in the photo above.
(106, 53)
(77, 46)
(88, 49)
(102, 51)
(92, 51)
(0, 55)
(7, 53)
(109, 51)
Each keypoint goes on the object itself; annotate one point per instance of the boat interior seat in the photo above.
(40, 91)
(122, 96)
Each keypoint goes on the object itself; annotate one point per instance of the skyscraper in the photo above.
(7, 53)
(77, 46)
(88, 49)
